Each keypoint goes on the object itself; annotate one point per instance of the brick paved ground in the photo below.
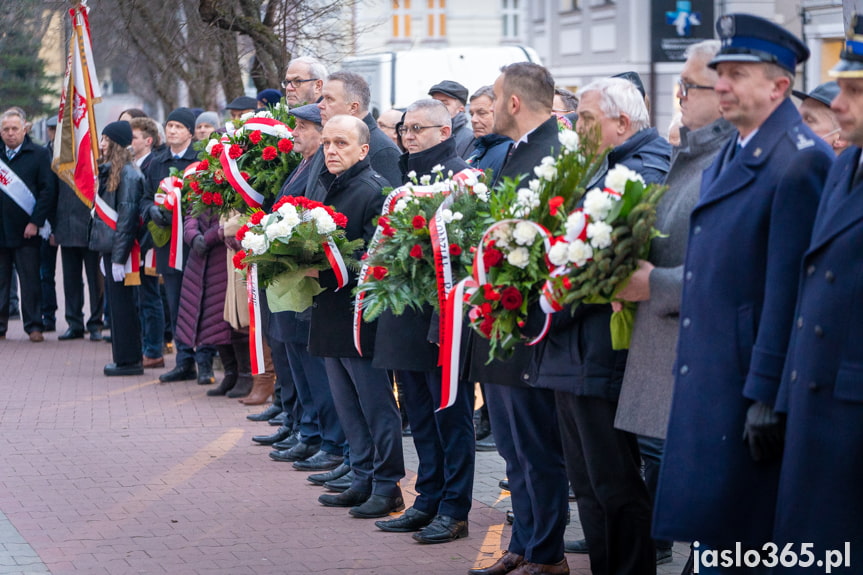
(124, 475)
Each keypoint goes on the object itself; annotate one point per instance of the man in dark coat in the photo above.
(523, 418)
(19, 228)
(179, 130)
(348, 93)
(489, 148)
(320, 442)
(746, 236)
(820, 502)
(454, 96)
(363, 394)
(443, 439)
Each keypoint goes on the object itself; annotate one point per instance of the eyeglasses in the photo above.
(685, 87)
(296, 83)
(415, 129)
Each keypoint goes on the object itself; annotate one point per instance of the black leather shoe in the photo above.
(508, 562)
(320, 461)
(205, 374)
(71, 334)
(442, 529)
(95, 335)
(510, 516)
(411, 520)
(279, 419)
(486, 444)
(297, 453)
(112, 369)
(341, 484)
(182, 372)
(281, 434)
(332, 475)
(349, 498)
(265, 415)
(503, 484)
(288, 443)
(578, 546)
(377, 506)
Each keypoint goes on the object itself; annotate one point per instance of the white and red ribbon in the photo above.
(450, 344)
(334, 256)
(109, 215)
(173, 201)
(256, 341)
(269, 126)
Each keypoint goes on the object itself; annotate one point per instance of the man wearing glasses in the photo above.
(645, 397)
(304, 80)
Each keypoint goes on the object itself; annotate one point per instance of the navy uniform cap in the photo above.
(851, 60)
(824, 93)
(748, 38)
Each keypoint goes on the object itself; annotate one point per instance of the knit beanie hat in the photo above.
(184, 116)
(119, 132)
(211, 118)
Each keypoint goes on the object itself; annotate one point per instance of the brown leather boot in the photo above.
(507, 563)
(559, 568)
(263, 386)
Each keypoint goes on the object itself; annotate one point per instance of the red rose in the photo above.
(341, 220)
(418, 222)
(216, 150)
(379, 272)
(235, 152)
(485, 308)
(455, 249)
(489, 293)
(241, 233)
(196, 187)
(567, 285)
(217, 199)
(388, 231)
(203, 166)
(554, 204)
(511, 298)
(178, 183)
(255, 137)
(238, 260)
(219, 177)
(486, 326)
(207, 198)
(256, 218)
(416, 251)
(280, 203)
(245, 175)
(286, 145)
(269, 153)
(492, 257)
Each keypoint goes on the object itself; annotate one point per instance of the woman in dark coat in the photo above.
(121, 186)
(201, 320)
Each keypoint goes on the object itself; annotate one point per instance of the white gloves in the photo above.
(118, 271)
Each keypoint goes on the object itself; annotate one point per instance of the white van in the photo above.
(397, 79)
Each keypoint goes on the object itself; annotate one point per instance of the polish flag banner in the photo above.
(76, 143)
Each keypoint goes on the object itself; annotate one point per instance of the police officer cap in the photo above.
(748, 38)
(851, 60)
(825, 93)
(309, 112)
(451, 89)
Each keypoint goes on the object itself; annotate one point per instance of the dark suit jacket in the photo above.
(32, 164)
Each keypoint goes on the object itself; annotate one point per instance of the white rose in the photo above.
(283, 132)
(264, 114)
(575, 225)
(457, 216)
(412, 175)
(400, 205)
(519, 257)
(533, 185)
(229, 128)
(481, 191)
(280, 229)
(597, 204)
(425, 180)
(618, 176)
(527, 199)
(446, 216)
(247, 116)
(439, 168)
(469, 177)
(579, 253)
(569, 140)
(524, 233)
(323, 221)
(559, 253)
(599, 234)
(289, 214)
(502, 235)
(255, 242)
(546, 170)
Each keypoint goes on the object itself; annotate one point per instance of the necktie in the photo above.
(10, 153)
(176, 157)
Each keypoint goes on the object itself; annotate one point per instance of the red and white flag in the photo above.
(76, 144)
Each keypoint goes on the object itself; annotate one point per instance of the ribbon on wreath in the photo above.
(365, 272)
(172, 188)
(256, 341)
(132, 265)
(269, 126)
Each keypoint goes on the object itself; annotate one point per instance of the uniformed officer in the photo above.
(746, 237)
(820, 501)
